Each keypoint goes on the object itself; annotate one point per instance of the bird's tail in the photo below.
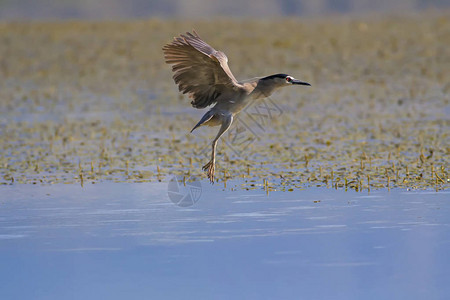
(206, 117)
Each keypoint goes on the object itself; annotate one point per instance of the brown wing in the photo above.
(200, 70)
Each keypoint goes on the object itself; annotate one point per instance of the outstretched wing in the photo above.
(199, 70)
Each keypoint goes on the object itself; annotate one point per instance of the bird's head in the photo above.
(280, 80)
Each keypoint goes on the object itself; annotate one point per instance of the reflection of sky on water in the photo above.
(130, 240)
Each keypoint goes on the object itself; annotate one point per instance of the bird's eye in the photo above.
(288, 79)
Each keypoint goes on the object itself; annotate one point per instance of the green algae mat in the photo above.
(87, 102)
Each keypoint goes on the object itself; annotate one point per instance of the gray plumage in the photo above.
(203, 73)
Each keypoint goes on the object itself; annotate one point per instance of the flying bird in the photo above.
(202, 72)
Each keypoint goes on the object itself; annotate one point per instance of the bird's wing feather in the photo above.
(199, 69)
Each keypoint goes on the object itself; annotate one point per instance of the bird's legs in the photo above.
(210, 166)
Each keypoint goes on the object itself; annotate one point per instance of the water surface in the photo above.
(128, 240)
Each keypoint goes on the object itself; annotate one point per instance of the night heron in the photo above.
(202, 72)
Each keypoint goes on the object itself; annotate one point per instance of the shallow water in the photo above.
(118, 240)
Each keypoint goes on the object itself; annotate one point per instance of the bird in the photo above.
(203, 73)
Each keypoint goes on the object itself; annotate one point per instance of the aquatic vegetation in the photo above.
(87, 102)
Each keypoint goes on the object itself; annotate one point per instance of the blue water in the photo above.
(120, 240)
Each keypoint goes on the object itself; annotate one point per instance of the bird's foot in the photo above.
(209, 168)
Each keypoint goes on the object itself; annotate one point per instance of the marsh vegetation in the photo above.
(93, 101)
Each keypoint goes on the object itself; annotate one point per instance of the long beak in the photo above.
(295, 81)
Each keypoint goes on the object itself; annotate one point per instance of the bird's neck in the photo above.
(262, 90)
